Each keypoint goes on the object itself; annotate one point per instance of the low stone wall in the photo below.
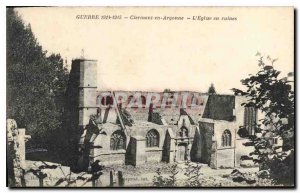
(115, 158)
(153, 155)
(225, 158)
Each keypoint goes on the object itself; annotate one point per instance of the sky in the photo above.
(152, 55)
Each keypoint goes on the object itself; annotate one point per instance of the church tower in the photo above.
(87, 90)
(81, 94)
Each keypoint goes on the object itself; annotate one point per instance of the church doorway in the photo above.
(181, 152)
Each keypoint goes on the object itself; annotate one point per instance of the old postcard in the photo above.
(150, 97)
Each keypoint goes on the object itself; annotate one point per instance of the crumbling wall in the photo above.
(225, 154)
(16, 164)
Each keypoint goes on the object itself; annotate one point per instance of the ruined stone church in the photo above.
(115, 133)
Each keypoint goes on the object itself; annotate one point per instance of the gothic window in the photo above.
(195, 100)
(117, 140)
(226, 138)
(129, 99)
(183, 132)
(143, 101)
(152, 138)
(108, 100)
(132, 101)
(250, 115)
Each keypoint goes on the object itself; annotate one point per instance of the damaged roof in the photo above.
(220, 107)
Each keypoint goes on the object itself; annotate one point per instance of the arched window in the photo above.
(183, 132)
(132, 101)
(152, 138)
(143, 101)
(194, 100)
(108, 100)
(226, 138)
(117, 140)
(129, 99)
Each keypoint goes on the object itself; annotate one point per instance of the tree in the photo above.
(274, 97)
(211, 89)
(35, 82)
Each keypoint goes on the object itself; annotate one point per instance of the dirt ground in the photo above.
(143, 175)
